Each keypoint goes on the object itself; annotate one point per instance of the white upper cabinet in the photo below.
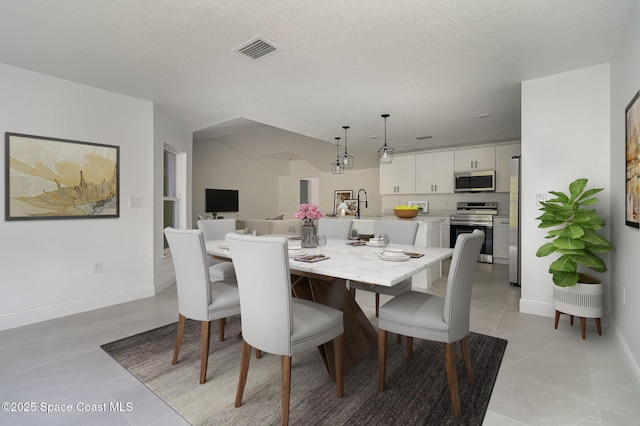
(475, 159)
(399, 177)
(434, 173)
(503, 165)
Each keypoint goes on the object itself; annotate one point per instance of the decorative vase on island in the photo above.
(309, 236)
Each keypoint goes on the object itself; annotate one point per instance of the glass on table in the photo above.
(292, 231)
(354, 235)
(322, 241)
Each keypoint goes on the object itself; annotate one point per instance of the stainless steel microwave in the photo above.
(475, 181)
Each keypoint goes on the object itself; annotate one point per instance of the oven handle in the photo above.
(461, 222)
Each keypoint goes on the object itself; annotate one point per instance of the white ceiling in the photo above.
(434, 65)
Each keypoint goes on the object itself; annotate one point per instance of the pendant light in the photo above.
(385, 153)
(336, 166)
(347, 160)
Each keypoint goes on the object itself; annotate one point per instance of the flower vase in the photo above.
(309, 236)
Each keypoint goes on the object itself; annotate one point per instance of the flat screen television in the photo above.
(221, 200)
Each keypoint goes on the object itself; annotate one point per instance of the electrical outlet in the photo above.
(97, 268)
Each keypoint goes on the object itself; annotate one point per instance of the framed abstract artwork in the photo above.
(632, 153)
(49, 178)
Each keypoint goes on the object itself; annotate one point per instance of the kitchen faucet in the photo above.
(366, 202)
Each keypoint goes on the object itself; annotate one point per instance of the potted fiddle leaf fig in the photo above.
(574, 236)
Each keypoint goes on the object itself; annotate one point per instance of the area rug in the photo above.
(416, 392)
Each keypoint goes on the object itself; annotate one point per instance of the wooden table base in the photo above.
(360, 338)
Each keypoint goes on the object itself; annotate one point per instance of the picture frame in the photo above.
(340, 196)
(51, 178)
(632, 166)
(353, 206)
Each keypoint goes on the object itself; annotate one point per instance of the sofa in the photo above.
(272, 226)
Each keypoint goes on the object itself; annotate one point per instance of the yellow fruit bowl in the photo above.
(405, 213)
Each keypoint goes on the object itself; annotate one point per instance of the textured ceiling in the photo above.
(434, 65)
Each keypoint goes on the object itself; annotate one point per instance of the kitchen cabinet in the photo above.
(503, 165)
(475, 159)
(434, 173)
(399, 177)
(501, 239)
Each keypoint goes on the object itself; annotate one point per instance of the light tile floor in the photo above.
(548, 377)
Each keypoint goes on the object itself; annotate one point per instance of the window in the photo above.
(171, 197)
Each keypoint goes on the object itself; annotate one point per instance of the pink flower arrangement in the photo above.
(308, 212)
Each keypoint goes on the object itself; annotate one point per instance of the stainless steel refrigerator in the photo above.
(514, 222)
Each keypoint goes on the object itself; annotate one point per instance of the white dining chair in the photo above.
(216, 229)
(399, 232)
(441, 319)
(335, 228)
(199, 298)
(273, 321)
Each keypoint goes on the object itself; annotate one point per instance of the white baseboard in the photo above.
(627, 356)
(73, 307)
(537, 308)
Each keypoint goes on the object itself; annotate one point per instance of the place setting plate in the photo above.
(223, 245)
(376, 243)
(393, 255)
(298, 252)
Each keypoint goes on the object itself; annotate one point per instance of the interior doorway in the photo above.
(310, 190)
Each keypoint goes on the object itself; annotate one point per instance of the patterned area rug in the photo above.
(416, 392)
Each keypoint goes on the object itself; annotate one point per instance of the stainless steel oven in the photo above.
(475, 215)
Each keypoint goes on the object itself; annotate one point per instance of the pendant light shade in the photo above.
(346, 159)
(385, 153)
(336, 166)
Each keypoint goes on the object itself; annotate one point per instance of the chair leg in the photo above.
(245, 358)
(286, 388)
(450, 361)
(409, 348)
(204, 354)
(221, 323)
(258, 354)
(176, 351)
(571, 320)
(377, 304)
(353, 292)
(599, 326)
(338, 349)
(466, 356)
(557, 319)
(382, 357)
(583, 327)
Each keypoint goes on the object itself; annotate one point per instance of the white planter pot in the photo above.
(580, 300)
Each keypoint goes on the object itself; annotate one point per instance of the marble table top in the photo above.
(357, 263)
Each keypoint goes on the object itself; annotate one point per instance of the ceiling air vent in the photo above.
(256, 48)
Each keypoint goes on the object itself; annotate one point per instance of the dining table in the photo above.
(324, 280)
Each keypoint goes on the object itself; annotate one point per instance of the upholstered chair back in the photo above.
(335, 228)
(458, 294)
(192, 272)
(264, 284)
(399, 231)
(216, 229)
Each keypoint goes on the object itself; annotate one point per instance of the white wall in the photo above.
(565, 136)
(168, 131)
(354, 180)
(625, 269)
(47, 264)
(215, 165)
